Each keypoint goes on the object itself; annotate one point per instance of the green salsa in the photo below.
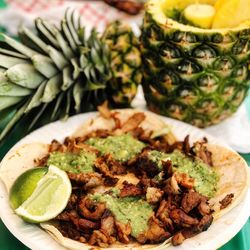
(121, 147)
(75, 163)
(133, 210)
(206, 179)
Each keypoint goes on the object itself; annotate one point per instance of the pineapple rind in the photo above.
(125, 62)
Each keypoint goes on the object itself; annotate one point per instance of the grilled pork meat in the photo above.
(178, 210)
(226, 201)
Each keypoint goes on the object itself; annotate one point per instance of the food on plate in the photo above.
(195, 63)
(133, 182)
(60, 71)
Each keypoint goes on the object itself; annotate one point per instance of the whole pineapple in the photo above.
(196, 75)
(59, 71)
(125, 62)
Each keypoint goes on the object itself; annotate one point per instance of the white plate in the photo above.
(34, 237)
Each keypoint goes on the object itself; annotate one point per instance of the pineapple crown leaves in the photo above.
(57, 71)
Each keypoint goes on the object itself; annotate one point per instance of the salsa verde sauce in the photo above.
(206, 178)
(121, 147)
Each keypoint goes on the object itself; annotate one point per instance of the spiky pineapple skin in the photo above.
(199, 78)
(125, 63)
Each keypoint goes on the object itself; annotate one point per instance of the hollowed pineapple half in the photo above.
(200, 76)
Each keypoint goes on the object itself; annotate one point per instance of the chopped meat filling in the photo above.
(226, 201)
(178, 211)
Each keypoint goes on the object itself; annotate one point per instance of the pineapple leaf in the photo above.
(67, 51)
(57, 105)
(57, 57)
(68, 35)
(36, 98)
(12, 53)
(29, 38)
(25, 75)
(73, 31)
(46, 31)
(8, 88)
(38, 115)
(17, 46)
(44, 65)
(10, 61)
(52, 88)
(13, 121)
(77, 70)
(7, 101)
(77, 95)
(67, 78)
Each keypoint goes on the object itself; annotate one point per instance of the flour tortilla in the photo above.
(233, 171)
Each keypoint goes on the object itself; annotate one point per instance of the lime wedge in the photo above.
(25, 185)
(49, 198)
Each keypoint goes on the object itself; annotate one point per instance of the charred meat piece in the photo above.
(204, 208)
(178, 239)
(205, 223)
(108, 224)
(100, 239)
(154, 195)
(90, 209)
(186, 233)
(102, 166)
(163, 214)
(56, 146)
(180, 218)
(131, 7)
(86, 180)
(171, 186)
(155, 233)
(123, 231)
(173, 183)
(226, 201)
(72, 202)
(67, 215)
(104, 111)
(130, 189)
(200, 151)
(68, 230)
(144, 164)
(80, 223)
(190, 200)
(83, 224)
(114, 166)
(146, 182)
(133, 122)
(186, 145)
(167, 168)
(110, 181)
(184, 180)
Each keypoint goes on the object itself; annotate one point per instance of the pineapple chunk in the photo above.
(231, 13)
(200, 15)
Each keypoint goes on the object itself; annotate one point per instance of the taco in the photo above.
(135, 186)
